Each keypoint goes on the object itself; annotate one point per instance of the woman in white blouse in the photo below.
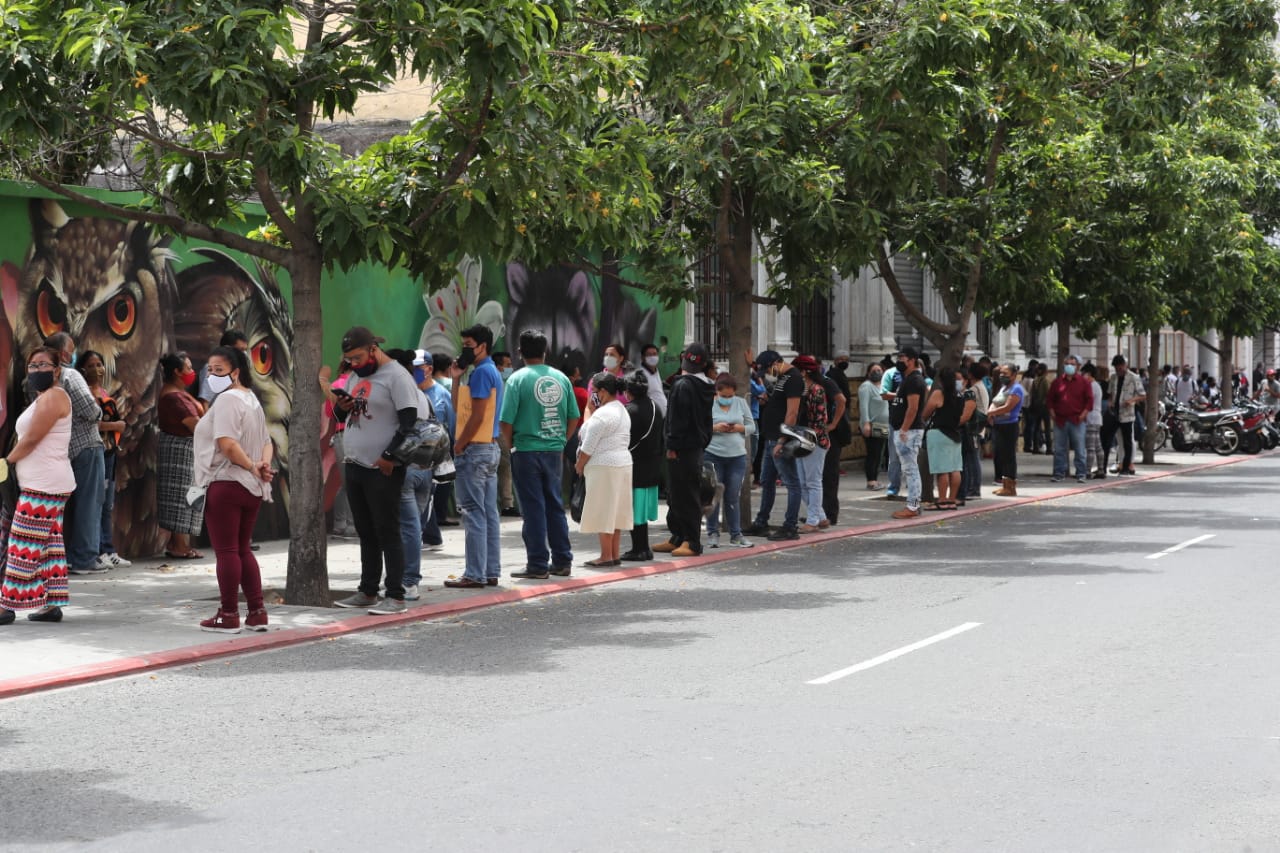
(604, 459)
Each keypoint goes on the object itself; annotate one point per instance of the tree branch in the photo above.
(280, 216)
(1202, 342)
(918, 318)
(240, 243)
(460, 161)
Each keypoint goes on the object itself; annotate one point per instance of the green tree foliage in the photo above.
(214, 103)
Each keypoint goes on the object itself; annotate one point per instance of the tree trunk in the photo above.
(737, 245)
(1226, 366)
(307, 582)
(1154, 392)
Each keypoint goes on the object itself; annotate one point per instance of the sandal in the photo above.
(602, 564)
(948, 505)
(933, 507)
(192, 554)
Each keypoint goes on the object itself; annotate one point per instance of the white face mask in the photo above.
(960, 385)
(218, 384)
(651, 360)
(610, 362)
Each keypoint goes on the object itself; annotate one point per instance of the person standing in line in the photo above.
(342, 524)
(906, 416)
(782, 408)
(688, 432)
(947, 412)
(442, 499)
(647, 428)
(230, 338)
(605, 461)
(1093, 424)
(1070, 401)
(971, 478)
(615, 363)
(538, 412)
(177, 415)
(835, 383)
(506, 491)
(890, 382)
(233, 453)
(731, 428)
(381, 407)
(649, 360)
(35, 575)
(1004, 415)
(84, 509)
(415, 495)
(873, 418)
(758, 394)
(442, 406)
(93, 368)
(813, 414)
(477, 400)
(1124, 392)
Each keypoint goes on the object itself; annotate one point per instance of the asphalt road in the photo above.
(1104, 700)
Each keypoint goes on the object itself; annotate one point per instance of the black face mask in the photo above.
(467, 357)
(40, 381)
(902, 368)
(876, 377)
(366, 370)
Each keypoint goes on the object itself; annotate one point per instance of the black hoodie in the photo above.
(688, 424)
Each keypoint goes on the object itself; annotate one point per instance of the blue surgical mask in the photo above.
(506, 373)
(1069, 370)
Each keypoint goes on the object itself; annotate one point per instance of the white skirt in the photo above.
(608, 503)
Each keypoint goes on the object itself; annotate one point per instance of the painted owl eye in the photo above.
(51, 313)
(122, 314)
(263, 357)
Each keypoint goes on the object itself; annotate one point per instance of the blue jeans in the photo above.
(84, 510)
(477, 492)
(108, 505)
(895, 469)
(440, 494)
(415, 499)
(729, 470)
(774, 468)
(908, 453)
(1074, 434)
(811, 484)
(971, 482)
(545, 529)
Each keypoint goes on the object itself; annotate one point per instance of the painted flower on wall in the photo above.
(458, 307)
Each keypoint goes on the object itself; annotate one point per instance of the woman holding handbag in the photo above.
(35, 576)
(233, 452)
(605, 461)
(646, 464)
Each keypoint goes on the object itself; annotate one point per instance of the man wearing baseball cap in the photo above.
(687, 432)
(781, 408)
(906, 417)
(380, 407)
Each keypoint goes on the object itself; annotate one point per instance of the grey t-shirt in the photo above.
(373, 422)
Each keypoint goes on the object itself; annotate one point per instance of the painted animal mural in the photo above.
(111, 285)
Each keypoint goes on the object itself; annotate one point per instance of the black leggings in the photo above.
(875, 457)
(1006, 450)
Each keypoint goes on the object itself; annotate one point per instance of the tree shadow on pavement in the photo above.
(60, 806)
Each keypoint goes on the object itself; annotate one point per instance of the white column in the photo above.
(1209, 360)
(871, 317)
(841, 313)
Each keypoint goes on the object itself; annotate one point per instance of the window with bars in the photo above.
(811, 325)
(711, 308)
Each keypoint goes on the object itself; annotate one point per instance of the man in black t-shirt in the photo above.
(781, 406)
(836, 385)
(906, 418)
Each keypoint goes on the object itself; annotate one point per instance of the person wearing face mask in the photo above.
(35, 576)
(971, 448)
(1184, 390)
(506, 490)
(1070, 401)
(873, 420)
(1004, 415)
(93, 367)
(380, 408)
(731, 429)
(948, 411)
(614, 363)
(649, 360)
(1093, 424)
(178, 413)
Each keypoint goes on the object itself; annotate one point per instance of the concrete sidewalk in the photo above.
(146, 617)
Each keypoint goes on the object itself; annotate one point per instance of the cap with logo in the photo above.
(358, 337)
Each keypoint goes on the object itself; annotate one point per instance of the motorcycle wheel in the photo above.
(1161, 437)
(1268, 441)
(1179, 440)
(1252, 443)
(1226, 440)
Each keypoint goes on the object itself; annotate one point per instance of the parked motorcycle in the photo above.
(1259, 428)
(1219, 430)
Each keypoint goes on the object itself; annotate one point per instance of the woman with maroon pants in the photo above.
(233, 453)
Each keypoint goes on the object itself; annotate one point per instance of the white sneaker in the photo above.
(439, 547)
(103, 562)
(411, 592)
(118, 561)
(713, 540)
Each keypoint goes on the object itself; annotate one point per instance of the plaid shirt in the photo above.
(85, 413)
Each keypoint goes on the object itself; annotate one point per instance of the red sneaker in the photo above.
(256, 620)
(222, 623)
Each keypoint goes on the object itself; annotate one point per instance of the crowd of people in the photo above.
(524, 440)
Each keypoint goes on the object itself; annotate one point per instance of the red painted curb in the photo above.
(294, 636)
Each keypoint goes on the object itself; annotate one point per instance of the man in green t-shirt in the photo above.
(538, 416)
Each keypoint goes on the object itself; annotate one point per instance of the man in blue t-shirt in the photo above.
(477, 399)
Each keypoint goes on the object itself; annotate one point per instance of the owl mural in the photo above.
(218, 295)
(107, 283)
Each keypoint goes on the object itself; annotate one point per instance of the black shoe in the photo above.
(447, 523)
(7, 617)
(47, 614)
(561, 571)
(784, 534)
(510, 512)
(756, 529)
(491, 582)
(253, 546)
(532, 574)
(637, 557)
